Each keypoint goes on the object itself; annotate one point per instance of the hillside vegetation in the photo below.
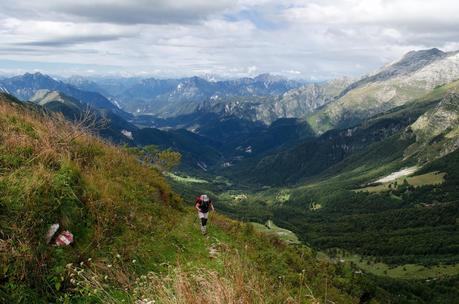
(135, 240)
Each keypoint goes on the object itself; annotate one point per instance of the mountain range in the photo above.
(25, 86)
(363, 170)
(239, 116)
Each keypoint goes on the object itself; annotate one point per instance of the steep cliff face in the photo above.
(437, 131)
(444, 118)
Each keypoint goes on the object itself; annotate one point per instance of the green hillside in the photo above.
(407, 220)
(136, 241)
(379, 141)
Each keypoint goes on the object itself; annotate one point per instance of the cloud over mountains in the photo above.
(315, 39)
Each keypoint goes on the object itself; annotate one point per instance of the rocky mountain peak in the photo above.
(37, 76)
(415, 60)
(423, 54)
(411, 62)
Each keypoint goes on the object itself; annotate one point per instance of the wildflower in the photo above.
(109, 265)
(118, 256)
(81, 263)
(106, 277)
(89, 260)
(134, 261)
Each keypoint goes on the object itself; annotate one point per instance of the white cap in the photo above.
(204, 198)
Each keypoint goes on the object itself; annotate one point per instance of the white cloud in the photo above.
(307, 38)
(118, 11)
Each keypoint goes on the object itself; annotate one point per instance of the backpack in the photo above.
(204, 206)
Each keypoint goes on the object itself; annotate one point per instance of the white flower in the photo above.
(109, 265)
(134, 261)
(81, 263)
(118, 256)
(89, 260)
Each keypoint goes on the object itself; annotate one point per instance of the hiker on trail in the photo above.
(203, 205)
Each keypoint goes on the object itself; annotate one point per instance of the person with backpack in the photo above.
(203, 204)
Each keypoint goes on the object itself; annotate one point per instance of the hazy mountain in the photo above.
(308, 98)
(174, 97)
(113, 86)
(25, 86)
(264, 98)
(85, 84)
(293, 103)
(414, 75)
(197, 150)
(106, 123)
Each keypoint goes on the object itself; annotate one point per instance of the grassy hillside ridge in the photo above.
(134, 239)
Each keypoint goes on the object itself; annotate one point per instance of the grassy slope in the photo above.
(133, 237)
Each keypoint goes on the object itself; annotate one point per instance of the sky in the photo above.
(307, 39)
